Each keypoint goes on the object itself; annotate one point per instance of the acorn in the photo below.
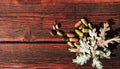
(53, 32)
(81, 27)
(71, 44)
(90, 25)
(78, 32)
(73, 39)
(65, 38)
(70, 35)
(78, 24)
(85, 30)
(57, 26)
(77, 43)
(54, 27)
(60, 33)
(84, 22)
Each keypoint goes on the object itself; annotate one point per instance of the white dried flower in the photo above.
(89, 45)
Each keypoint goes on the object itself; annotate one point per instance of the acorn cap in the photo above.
(53, 32)
(60, 33)
(84, 22)
(78, 24)
(78, 32)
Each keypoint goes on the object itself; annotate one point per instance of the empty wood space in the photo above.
(25, 42)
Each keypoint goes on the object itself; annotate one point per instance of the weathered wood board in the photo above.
(25, 42)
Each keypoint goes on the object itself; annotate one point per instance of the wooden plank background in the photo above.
(24, 27)
(29, 21)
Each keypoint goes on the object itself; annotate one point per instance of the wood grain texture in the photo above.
(24, 25)
(30, 20)
(46, 56)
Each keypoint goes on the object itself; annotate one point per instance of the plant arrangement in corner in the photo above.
(87, 41)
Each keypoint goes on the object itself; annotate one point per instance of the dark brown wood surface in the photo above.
(32, 20)
(46, 56)
(25, 42)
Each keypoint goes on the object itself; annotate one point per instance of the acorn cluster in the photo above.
(81, 30)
